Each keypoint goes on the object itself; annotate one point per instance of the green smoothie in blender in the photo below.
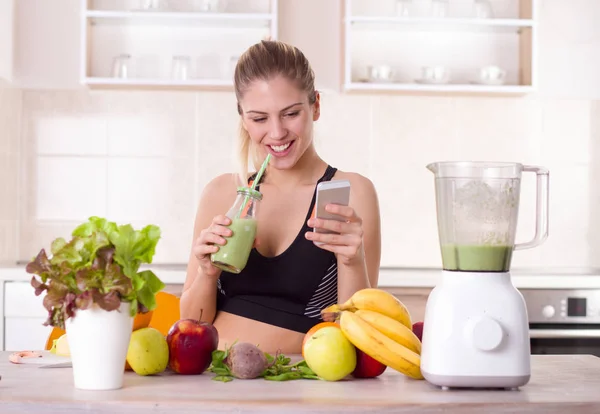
(476, 258)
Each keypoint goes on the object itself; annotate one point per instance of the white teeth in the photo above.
(280, 148)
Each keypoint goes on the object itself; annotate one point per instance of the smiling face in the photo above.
(279, 120)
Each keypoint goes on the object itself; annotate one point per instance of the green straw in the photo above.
(263, 167)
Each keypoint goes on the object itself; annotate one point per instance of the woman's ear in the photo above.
(317, 106)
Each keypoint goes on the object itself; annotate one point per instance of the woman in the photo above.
(288, 279)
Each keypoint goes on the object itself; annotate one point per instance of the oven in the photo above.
(563, 321)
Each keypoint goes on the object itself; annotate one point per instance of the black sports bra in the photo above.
(288, 290)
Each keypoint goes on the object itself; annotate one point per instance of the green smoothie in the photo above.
(476, 258)
(233, 256)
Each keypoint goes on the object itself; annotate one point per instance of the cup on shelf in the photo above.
(380, 73)
(434, 75)
(181, 67)
(482, 9)
(439, 8)
(210, 5)
(155, 5)
(491, 75)
(403, 8)
(121, 67)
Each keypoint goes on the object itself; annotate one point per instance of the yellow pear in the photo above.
(148, 352)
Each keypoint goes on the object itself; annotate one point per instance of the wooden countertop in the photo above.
(559, 384)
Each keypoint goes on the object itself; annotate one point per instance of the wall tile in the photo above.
(8, 241)
(10, 119)
(408, 133)
(498, 129)
(566, 131)
(149, 189)
(217, 137)
(144, 124)
(66, 135)
(35, 235)
(67, 188)
(342, 135)
(9, 190)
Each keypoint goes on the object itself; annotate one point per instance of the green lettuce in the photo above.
(99, 265)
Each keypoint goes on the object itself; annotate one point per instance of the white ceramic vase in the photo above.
(98, 342)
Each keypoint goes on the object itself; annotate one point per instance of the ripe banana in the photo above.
(392, 329)
(380, 347)
(376, 300)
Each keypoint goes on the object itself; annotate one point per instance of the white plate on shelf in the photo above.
(44, 358)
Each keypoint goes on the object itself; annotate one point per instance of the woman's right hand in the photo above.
(209, 241)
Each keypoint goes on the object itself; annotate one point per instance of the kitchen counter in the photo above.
(559, 384)
(395, 277)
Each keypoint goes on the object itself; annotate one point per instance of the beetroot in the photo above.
(246, 361)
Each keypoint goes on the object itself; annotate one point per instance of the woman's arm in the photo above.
(199, 296)
(358, 246)
(364, 272)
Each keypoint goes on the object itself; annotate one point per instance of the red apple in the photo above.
(191, 344)
(366, 366)
(417, 329)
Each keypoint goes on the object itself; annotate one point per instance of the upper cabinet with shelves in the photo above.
(469, 46)
(161, 43)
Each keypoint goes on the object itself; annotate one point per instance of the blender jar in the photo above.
(477, 209)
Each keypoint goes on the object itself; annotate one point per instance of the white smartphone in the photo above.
(331, 192)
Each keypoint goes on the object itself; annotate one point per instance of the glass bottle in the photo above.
(233, 256)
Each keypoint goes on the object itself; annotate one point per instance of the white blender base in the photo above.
(476, 333)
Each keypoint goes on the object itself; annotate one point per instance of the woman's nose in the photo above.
(277, 130)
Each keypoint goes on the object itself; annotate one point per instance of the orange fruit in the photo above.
(314, 329)
(142, 320)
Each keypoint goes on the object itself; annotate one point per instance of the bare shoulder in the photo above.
(221, 186)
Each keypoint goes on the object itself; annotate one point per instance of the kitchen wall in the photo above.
(144, 157)
(10, 116)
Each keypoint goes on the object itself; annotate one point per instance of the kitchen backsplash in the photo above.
(144, 157)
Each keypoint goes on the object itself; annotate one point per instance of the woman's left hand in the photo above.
(348, 243)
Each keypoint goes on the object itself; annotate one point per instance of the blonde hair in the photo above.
(263, 61)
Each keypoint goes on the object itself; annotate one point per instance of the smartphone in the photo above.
(331, 192)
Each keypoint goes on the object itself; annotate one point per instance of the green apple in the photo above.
(148, 352)
(330, 354)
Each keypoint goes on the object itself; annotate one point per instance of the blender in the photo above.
(476, 329)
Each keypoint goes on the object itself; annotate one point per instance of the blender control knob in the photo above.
(548, 311)
(487, 334)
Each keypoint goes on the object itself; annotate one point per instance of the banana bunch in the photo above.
(379, 324)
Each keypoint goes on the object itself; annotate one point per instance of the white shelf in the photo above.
(148, 82)
(211, 40)
(416, 87)
(180, 18)
(442, 24)
(450, 21)
(458, 42)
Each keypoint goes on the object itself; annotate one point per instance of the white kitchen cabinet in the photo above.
(390, 45)
(23, 318)
(7, 20)
(158, 44)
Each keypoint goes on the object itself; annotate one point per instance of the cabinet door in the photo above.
(24, 316)
(6, 39)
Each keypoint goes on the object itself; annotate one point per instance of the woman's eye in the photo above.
(292, 114)
(259, 119)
